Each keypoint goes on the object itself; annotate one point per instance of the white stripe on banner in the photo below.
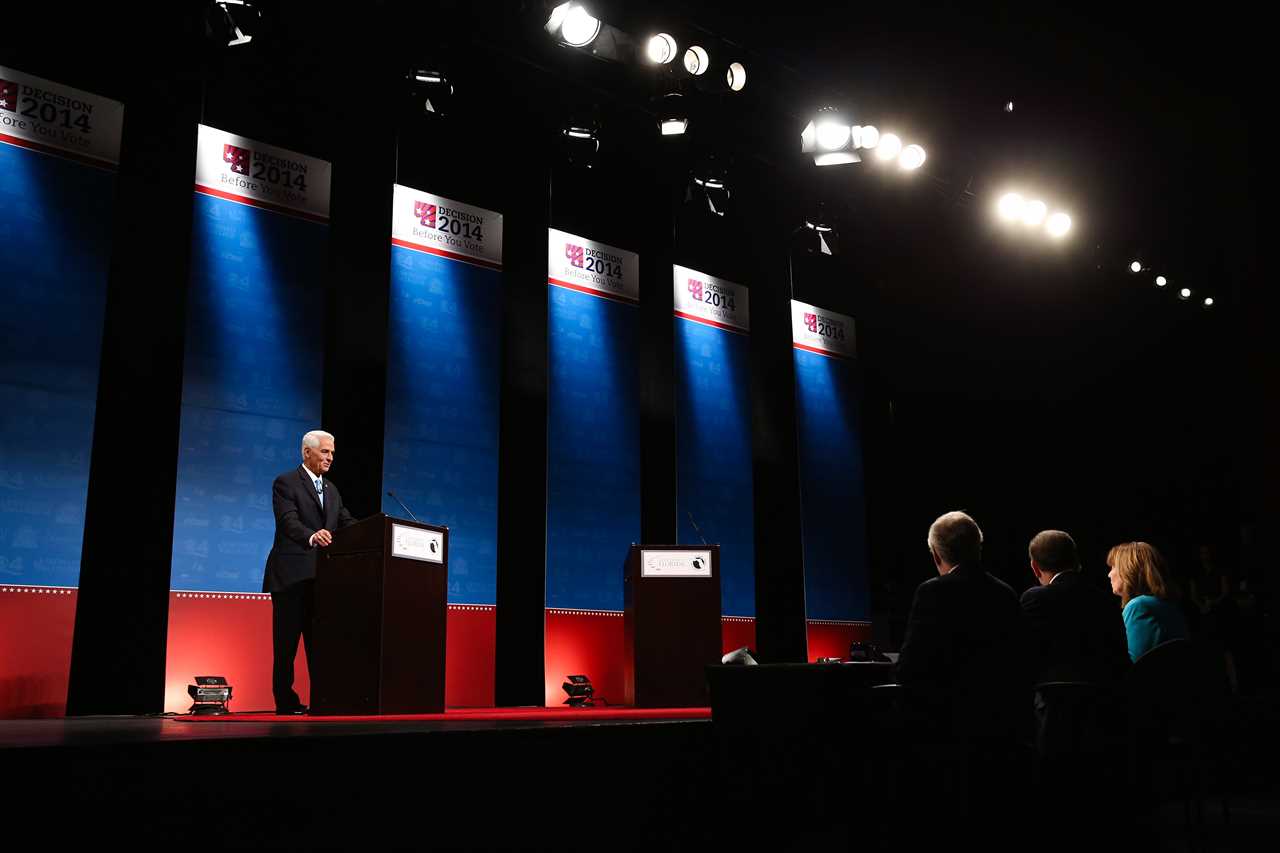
(245, 170)
(821, 331)
(706, 299)
(47, 116)
(589, 267)
(441, 226)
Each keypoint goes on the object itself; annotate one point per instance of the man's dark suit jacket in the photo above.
(966, 646)
(1077, 631)
(298, 515)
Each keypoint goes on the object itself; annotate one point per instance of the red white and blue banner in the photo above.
(832, 486)
(440, 446)
(44, 116)
(714, 492)
(446, 228)
(252, 377)
(58, 150)
(254, 173)
(593, 448)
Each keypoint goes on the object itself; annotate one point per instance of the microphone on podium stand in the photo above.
(696, 529)
(392, 495)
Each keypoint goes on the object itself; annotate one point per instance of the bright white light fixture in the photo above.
(1010, 207)
(1208, 302)
(889, 148)
(912, 158)
(662, 48)
(1161, 281)
(579, 28)
(1136, 266)
(1058, 225)
(867, 136)
(696, 61)
(1033, 212)
(1185, 293)
(832, 135)
(736, 76)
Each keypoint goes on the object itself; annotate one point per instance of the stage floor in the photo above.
(100, 731)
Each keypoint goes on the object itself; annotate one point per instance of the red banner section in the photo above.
(229, 634)
(590, 643)
(36, 624)
(832, 639)
(736, 632)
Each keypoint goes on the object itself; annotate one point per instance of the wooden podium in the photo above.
(380, 619)
(671, 624)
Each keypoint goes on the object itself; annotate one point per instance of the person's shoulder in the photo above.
(1035, 595)
(1140, 605)
(1000, 586)
(287, 476)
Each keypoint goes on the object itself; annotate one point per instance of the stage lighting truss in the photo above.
(230, 23)
(833, 140)
(1015, 210)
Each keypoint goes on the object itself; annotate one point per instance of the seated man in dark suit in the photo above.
(1076, 628)
(965, 639)
(307, 509)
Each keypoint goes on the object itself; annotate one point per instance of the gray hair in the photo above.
(956, 538)
(312, 439)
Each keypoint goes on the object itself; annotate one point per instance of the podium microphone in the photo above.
(695, 528)
(406, 509)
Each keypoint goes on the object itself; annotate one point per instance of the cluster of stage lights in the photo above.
(574, 25)
(833, 141)
(1013, 209)
(1162, 282)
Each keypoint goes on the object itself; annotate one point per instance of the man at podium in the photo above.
(307, 509)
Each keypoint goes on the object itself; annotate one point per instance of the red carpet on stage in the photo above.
(547, 715)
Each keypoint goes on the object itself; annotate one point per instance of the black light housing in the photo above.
(210, 695)
(580, 692)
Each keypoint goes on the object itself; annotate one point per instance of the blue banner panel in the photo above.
(713, 454)
(444, 363)
(55, 225)
(832, 493)
(251, 385)
(593, 448)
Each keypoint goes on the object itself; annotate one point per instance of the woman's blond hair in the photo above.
(1142, 571)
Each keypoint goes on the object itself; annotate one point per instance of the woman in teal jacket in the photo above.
(1151, 612)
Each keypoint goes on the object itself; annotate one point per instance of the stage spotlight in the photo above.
(209, 695)
(1135, 267)
(229, 23)
(829, 138)
(696, 61)
(1008, 106)
(673, 120)
(890, 147)
(710, 181)
(580, 139)
(573, 24)
(1161, 281)
(912, 158)
(1208, 302)
(1185, 293)
(822, 236)
(1058, 225)
(1033, 212)
(579, 690)
(662, 49)
(736, 76)
(1010, 207)
(430, 91)
(866, 136)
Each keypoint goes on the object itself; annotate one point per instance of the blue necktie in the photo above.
(320, 492)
